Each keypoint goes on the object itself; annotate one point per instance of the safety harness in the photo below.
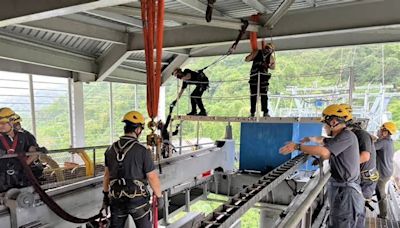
(370, 175)
(10, 173)
(122, 187)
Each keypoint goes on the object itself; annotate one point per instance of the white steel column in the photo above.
(77, 116)
(32, 101)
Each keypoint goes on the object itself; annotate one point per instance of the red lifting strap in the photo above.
(155, 211)
(47, 199)
(10, 150)
(148, 9)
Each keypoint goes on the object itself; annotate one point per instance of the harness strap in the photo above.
(353, 185)
(48, 200)
(10, 150)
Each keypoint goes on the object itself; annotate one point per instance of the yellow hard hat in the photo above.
(335, 110)
(17, 118)
(6, 115)
(390, 127)
(349, 110)
(134, 117)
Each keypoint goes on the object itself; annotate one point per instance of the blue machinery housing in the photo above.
(260, 143)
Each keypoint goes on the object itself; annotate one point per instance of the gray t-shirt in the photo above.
(344, 157)
(137, 162)
(384, 157)
(365, 144)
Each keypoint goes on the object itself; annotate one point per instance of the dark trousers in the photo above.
(346, 206)
(263, 95)
(139, 210)
(382, 196)
(195, 98)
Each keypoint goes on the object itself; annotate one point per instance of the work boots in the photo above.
(202, 113)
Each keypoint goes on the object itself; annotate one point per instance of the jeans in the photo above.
(139, 209)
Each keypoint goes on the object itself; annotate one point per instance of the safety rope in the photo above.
(242, 31)
(48, 200)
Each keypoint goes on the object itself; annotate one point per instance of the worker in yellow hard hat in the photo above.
(12, 141)
(384, 162)
(18, 126)
(128, 169)
(369, 172)
(346, 209)
(36, 166)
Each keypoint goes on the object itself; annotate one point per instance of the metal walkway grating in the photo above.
(378, 223)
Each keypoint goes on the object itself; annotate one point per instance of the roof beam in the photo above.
(279, 13)
(219, 22)
(313, 22)
(199, 7)
(87, 19)
(117, 17)
(255, 4)
(26, 68)
(141, 61)
(128, 75)
(75, 28)
(26, 52)
(22, 11)
(111, 60)
(177, 62)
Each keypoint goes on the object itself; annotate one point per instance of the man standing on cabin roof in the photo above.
(12, 141)
(384, 163)
(344, 192)
(199, 79)
(262, 61)
(128, 168)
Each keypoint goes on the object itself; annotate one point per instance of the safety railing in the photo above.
(66, 166)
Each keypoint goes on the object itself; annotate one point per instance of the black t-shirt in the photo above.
(195, 78)
(19, 179)
(137, 162)
(23, 142)
(260, 64)
(31, 138)
(365, 144)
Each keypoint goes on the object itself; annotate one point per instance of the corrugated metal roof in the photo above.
(140, 56)
(80, 45)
